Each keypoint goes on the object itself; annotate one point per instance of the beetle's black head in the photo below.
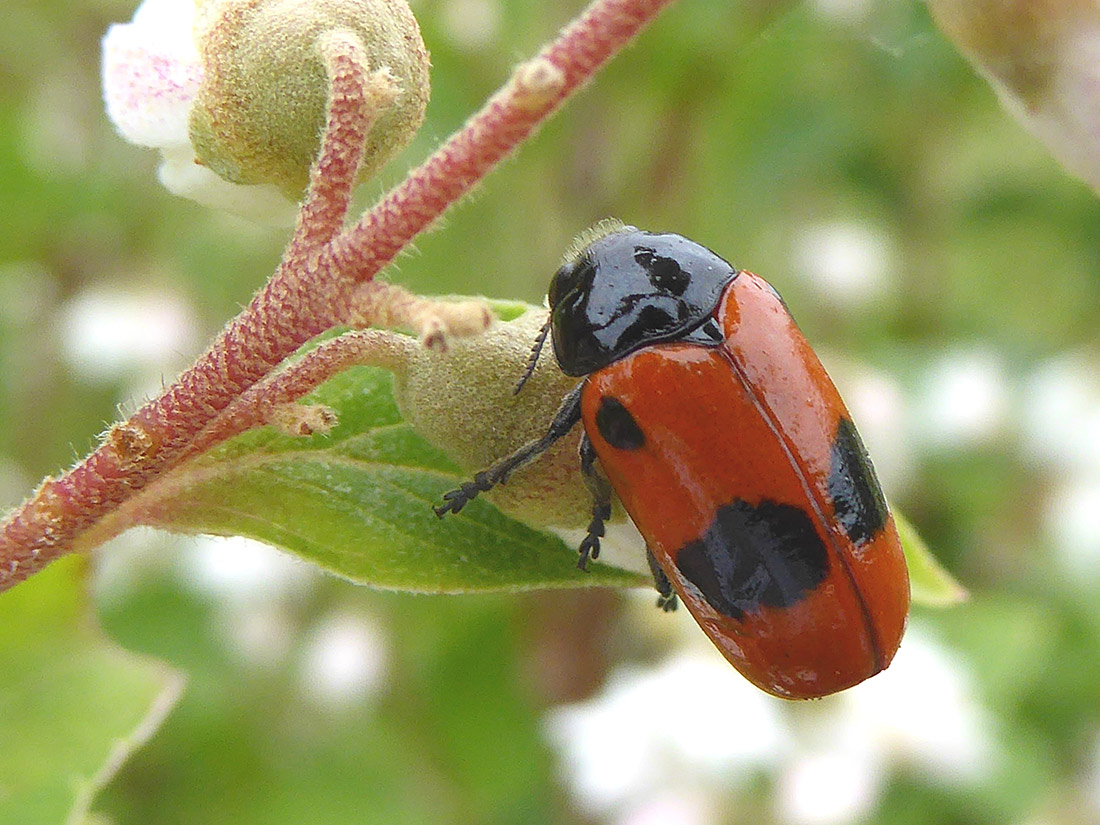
(629, 289)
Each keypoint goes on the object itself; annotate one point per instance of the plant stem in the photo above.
(535, 91)
(373, 347)
(311, 290)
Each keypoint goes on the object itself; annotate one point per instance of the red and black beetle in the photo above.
(729, 447)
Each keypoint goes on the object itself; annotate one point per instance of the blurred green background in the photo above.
(941, 262)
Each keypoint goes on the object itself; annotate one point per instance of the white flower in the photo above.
(692, 729)
(151, 74)
(345, 662)
(234, 93)
(965, 399)
(848, 263)
(690, 718)
(108, 333)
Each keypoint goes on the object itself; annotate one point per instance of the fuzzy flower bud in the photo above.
(462, 401)
(1042, 57)
(234, 92)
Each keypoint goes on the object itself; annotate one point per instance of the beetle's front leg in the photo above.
(567, 416)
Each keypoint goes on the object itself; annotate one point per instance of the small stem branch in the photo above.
(355, 101)
(373, 347)
(312, 289)
(434, 321)
(290, 309)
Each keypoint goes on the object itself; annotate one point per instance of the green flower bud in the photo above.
(260, 111)
(462, 401)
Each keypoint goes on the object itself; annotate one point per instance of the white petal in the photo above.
(728, 730)
(829, 788)
(263, 203)
(966, 399)
(151, 73)
(923, 709)
(849, 263)
(1070, 522)
(244, 570)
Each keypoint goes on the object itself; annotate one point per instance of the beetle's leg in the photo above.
(666, 596)
(567, 416)
(600, 489)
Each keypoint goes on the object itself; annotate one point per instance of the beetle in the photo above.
(709, 416)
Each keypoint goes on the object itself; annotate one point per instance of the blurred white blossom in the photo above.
(252, 586)
(1060, 423)
(650, 730)
(922, 712)
(683, 807)
(1072, 523)
(471, 24)
(345, 662)
(1061, 413)
(248, 569)
(848, 263)
(965, 399)
(828, 788)
(683, 734)
(108, 333)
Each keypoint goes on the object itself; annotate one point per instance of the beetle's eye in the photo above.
(557, 285)
(569, 278)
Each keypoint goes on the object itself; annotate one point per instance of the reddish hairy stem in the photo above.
(535, 91)
(311, 289)
(376, 347)
(286, 313)
(332, 177)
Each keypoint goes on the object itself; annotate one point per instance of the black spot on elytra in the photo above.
(858, 502)
(617, 425)
(768, 555)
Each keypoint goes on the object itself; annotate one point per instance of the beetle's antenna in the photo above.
(533, 358)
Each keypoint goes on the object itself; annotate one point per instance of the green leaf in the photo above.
(930, 584)
(358, 502)
(72, 704)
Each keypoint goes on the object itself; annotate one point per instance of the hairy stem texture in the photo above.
(312, 289)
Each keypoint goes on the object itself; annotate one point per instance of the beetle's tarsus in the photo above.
(666, 596)
(601, 503)
(455, 500)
